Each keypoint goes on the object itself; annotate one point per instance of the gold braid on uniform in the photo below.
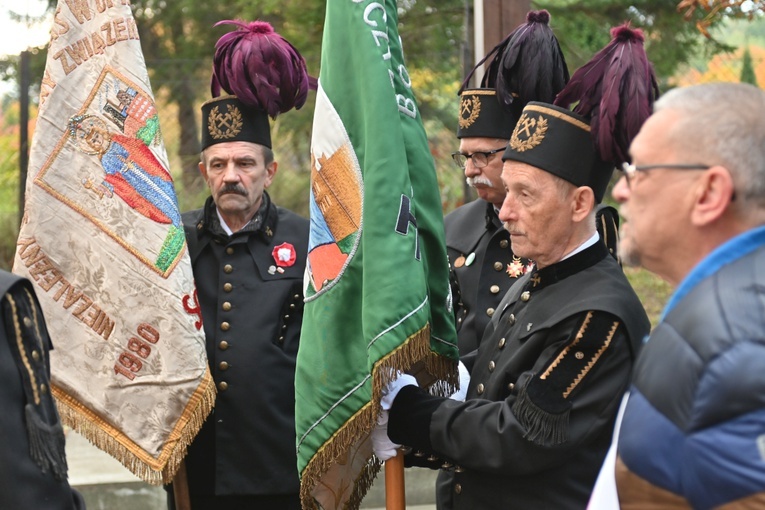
(544, 402)
(607, 224)
(46, 440)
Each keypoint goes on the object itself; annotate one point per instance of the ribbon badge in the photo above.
(284, 255)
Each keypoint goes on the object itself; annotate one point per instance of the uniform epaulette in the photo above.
(544, 402)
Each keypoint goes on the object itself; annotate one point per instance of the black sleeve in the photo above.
(33, 472)
(523, 433)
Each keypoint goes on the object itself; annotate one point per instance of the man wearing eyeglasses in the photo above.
(693, 431)
(480, 254)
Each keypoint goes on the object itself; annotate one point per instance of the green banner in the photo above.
(377, 289)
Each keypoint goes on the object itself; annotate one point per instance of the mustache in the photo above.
(472, 181)
(237, 189)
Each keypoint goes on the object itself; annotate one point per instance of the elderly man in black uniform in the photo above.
(532, 68)
(556, 357)
(248, 258)
(33, 470)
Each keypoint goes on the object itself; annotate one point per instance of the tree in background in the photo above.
(747, 69)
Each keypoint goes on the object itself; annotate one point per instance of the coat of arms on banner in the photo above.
(336, 200)
(112, 165)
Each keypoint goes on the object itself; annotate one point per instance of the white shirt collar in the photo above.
(225, 226)
(589, 242)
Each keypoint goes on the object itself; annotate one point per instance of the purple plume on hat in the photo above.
(615, 90)
(260, 67)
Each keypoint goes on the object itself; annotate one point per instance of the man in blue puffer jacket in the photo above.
(693, 431)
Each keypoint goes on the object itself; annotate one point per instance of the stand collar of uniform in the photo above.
(560, 270)
(492, 217)
(263, 223)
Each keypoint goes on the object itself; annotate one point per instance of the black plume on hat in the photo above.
(528, 65)
(532, 66)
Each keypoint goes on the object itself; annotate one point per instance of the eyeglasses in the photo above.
(480, 159)
(630, 171)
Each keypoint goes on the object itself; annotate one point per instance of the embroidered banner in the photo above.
(377, 291)
(103, 242)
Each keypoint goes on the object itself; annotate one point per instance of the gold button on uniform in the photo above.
(227, 268)
(227, 287)
(223, 365)
(223, 345)
(230, 250)
(490, 311)
(222, 386)
(458, 488)
(511, 319)
(511, 386)
(494, 289)
(525, 296)
(499, 266)
(501, 342)
(480, 389)
(43, 388)
(503, 243)
(28, 322)
(35, 355)
(225, 326)
(579, 355)
(492, 366)
(226, 306)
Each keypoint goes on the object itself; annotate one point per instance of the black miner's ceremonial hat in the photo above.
(227, 119)
(481, 115)
(558, 141)
(528, 65)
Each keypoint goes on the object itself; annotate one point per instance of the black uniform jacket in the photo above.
(252, 310)
(544, 391)
(32, 457)
(484, 267)
(481, 260)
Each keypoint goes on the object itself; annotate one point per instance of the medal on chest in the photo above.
(516, 268)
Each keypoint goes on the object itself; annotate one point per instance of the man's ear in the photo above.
(270, 173)
(583, 203)
(203, 170)
(712, 195)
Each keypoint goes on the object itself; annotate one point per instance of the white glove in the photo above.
(392, 389)
(383, 447)
(460, 394)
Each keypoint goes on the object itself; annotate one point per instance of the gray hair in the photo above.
(723, 124)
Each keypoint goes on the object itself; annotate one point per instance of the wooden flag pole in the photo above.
(395, 496)
(181, 488)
